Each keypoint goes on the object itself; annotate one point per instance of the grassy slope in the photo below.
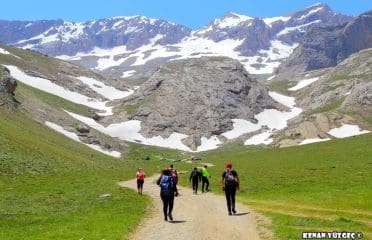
(323, 186)
(50, 186)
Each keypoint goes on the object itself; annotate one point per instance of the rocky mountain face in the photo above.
(7, 87)
(323, 47)
(135, 46)
(57, 37)
(197, 97)
(342, 95)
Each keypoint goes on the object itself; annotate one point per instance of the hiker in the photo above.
(230, 184)
(195, 178)
(174, 174)
(167, 192)
(205, 175)
(140, 180)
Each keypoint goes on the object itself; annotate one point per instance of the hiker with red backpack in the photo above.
(167, 192)
(230, 184)
(140, 180)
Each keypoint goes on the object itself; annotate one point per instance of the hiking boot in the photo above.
(234, 211)
(165, 218)
(170, 216)
(230, 213)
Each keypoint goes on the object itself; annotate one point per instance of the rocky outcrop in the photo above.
(7, 87)
(323, 47)
(197, 97)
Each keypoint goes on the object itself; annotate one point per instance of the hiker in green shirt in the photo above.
(205, 176)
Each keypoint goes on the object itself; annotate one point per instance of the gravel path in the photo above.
(202, 216)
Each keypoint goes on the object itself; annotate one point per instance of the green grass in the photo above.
(280, 86)
(131, 109)
(322, 186)
(25, 92)
(329, 107)
(365, 76)
(50, 186)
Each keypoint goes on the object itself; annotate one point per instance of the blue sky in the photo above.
(192, 13)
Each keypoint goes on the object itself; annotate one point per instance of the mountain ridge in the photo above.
(134, 46)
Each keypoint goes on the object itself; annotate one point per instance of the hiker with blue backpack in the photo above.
(167, 192)
(230, 184)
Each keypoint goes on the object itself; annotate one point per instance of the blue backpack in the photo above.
(167, 185)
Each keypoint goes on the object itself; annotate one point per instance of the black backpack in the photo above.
(195, 173)
(230, 179)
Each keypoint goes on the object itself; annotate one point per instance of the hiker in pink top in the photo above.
(140, 180)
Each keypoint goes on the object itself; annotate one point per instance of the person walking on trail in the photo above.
(205, 176)
(140, 180)
(230, 184)
(174, 174)
(167, 192)
(195, 178)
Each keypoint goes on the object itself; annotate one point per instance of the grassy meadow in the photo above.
(316, 187)
(51, 186)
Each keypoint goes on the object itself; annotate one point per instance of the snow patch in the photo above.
(262, 138)
(75, 137)
(232, 21)
(299, 28)
(52, 88)
(310, 13)
(128, 73)
(347, 130)
(208, 143)
(129, 131)
(270, 21)
(303, 83)
(108, 92)
(240, 127)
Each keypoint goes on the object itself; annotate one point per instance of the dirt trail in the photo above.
(202, 216)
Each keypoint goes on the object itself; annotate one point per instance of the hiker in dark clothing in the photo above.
(230, 184)
(167, 191)
(195, 178)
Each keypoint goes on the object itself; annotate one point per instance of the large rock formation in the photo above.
(7, 87)
(323, 47)
(197, 97)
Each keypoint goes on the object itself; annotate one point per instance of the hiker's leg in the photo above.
(203, 183)
(228, 199)
(207, 186)
(233, 193)
(171, 202)
(165, 205)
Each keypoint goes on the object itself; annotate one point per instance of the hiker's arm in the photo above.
(238, 183)
(158, 181)
(223, 183)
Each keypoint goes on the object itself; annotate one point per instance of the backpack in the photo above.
(195, 174)
(230, 180)
(167, 184)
